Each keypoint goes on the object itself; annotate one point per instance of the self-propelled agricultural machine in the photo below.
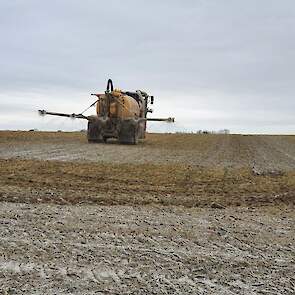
(119, 114)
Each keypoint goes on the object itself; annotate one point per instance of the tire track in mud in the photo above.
(229, 151)
(288, 150)
(266, 156)
(222, 151)
(145, 250)
(212, 156)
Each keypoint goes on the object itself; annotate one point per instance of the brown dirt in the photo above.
(53, 249)
(140, 184)
(232, 151)
(188, 170)
(181, 214)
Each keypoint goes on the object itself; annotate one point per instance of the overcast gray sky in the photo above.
(211, 64)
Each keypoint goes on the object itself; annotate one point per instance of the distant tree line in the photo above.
(222, 131)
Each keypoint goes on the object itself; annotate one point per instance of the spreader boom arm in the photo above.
(169, 120)
(75, 116)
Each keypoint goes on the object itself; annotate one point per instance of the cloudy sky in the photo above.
(211, 64)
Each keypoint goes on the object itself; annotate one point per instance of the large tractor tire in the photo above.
(94, 132)
(128, 133)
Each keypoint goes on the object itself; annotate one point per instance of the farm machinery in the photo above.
(119, 114)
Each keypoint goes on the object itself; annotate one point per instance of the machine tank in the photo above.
(121, 106)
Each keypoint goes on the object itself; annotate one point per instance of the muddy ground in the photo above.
(233, 151)
(177, 214)
(52, 249)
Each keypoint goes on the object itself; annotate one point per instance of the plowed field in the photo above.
(176, 214)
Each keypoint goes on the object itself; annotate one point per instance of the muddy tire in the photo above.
(94, 132)
(131, 139)
(128, 133)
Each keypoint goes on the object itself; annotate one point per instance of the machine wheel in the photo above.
(94, 132)
(130, 140)
(95, 141)
(128, 133)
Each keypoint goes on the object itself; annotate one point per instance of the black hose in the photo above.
(110, 84)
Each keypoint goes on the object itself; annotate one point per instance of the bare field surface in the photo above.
(233, 151)
(53, 249)
(176, 214)
(140, 184)
(169, 169)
